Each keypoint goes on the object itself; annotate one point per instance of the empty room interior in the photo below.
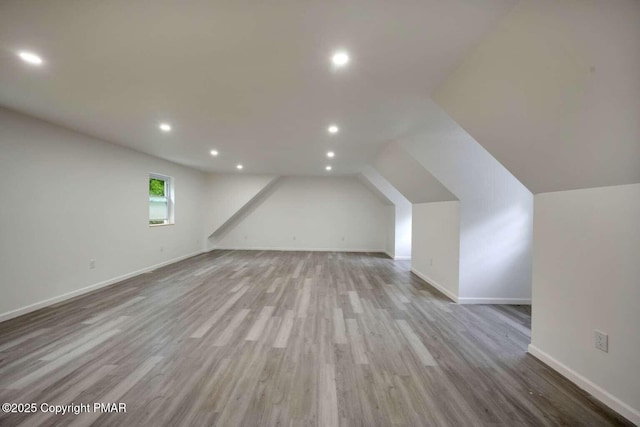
(320, 213)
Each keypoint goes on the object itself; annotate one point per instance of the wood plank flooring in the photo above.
(248, 338)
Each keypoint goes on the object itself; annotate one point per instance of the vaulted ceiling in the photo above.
(553, 93)
(549, 88)
(252, 80)
(409, 177)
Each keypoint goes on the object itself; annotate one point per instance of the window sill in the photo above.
(162, 225)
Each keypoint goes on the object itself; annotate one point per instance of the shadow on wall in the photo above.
(504, 231)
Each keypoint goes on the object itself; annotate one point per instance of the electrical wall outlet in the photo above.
(602, 341)
(92, 264)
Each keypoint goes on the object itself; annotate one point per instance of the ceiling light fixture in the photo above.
(340, 58)
(331, 154)
(333, 129)
(214, 152)
(165, 127)
(328, 168)
(239, 167)
(30, 58)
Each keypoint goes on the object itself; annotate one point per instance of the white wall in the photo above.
(496, 210)
(403, 241)
(226, 194)
(553, 93)
(586, 276)
(324, 213)
(409, 177)
(399, 231)
(68, 198)
(390, 241)
(436, 245)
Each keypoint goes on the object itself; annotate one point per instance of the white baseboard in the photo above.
(465, 300)
(509, 301)
(596, 391)
(279, 249)
(50, 301)
(398, 258)
(436, 285)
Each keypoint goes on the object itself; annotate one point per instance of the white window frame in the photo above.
(169, 194)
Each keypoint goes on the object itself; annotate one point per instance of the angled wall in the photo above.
(554, 94)
(435, 217)
(409, 177)
(226, 195)
(496, 210)
(246, 209)
(313, 213)
(399, 237)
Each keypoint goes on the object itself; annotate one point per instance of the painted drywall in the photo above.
(226, 194)
(304, 213)
(390, 209)
(402, 232)
(553, 93)
(68, 198)
(585, 277)
(390, 235)
(436, 245)
(496, 210)
(409, 177)
(399, 234)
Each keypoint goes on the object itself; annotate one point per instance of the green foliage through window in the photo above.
(156, 187)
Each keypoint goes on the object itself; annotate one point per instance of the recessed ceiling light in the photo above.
(165, 127)
(30, 58)
(328, 168)
(331, 154)
(239, 167)
(214, 152)
(340, 58)
(333, 129)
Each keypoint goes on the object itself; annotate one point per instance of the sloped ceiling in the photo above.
(384, 199)
(251, 79)
(378, 184)
(409, 177)
(244, 211)
(228, 194)
(554, 93)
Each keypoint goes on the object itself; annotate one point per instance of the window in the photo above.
(160, 200)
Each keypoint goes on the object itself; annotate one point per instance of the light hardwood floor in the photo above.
(288, 339)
